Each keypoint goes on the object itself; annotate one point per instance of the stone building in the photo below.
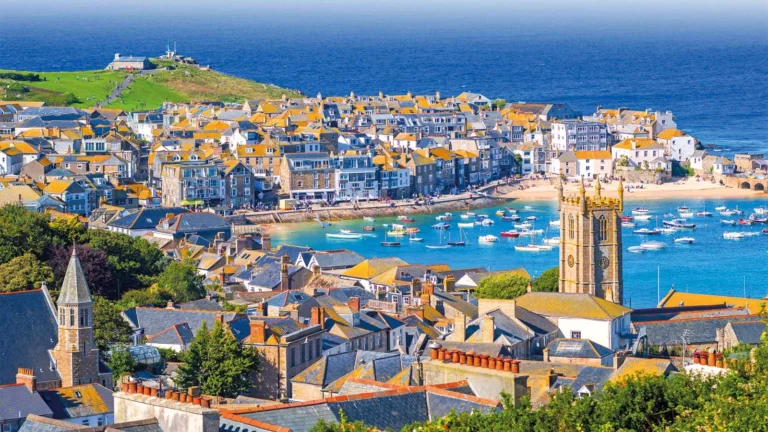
(129, 63)
(590, 245)
(308, 176)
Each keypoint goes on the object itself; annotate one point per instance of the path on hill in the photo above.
(117, 91)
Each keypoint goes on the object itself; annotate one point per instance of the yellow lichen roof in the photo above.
(677, 299)
(216, 125)
(593, 154)
(570, 305)
(207, 135)
(57, 186)
(670, 133)
(14, 193)
(465, 154)
(372, 267)
(639, 144)
(638, 365)
(83, 396)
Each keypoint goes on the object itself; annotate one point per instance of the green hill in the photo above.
(180, 83)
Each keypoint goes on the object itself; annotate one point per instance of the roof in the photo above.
(17, 401)
(156, 320)
(372, 267)
(749, 332)
(649, 366)
(670, 133)
(593, 154)
(177, 334)
(79, 401)
(639, 143)
(28, 330)
(188, 222)
(145, 218)
(675, 299)
(35, 423)
(569, 305)
(577, 348)
(341, 258)
(74, 288)
(699, 330)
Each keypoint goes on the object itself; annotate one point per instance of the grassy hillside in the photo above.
(181, 84)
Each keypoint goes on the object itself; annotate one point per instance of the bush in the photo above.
(502, 286)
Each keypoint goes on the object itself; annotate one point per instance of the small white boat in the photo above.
(653, 245)
(683, 209)
(554, 241)
(465, 224)
(344, 236)
(703, 213)
(628, 225)
(545, 247)
(471, 214)
(369, 219)
(530, 218)
(385, 225)
(751, 233)
(464, 216)
(438, 246)
(444, 217)
(640, 211)
(487, 222)
(728, 222)
(555, 223)
(670, 215)
(761, 211)
(416, 239)
(643, 218)
(685, 240)
(346, 231)
(636, 249)
(524, 225)
(668, 230)
(646, 231)
(686, 214)
(531, 232)
(721, 208)
(487, 239)
(728, 212)
(527, 248)
(733, 235)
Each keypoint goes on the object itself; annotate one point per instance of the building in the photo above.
(129, 63)
(677, 145)
(594, 164)
(85, 404)
(308, 176)
(723, 166)
(192, 185)
(577, 135)
(590, 244)
(355, 176)
(637, 153)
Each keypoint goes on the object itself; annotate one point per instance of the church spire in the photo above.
(597, 189)
(74, 289)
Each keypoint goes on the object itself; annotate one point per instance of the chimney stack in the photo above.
(258, 331)
(285, 283)
(449, 284)
(316, 270)
(488, 329)
(459, 327)
(317, 316)
(264, 308)
(169, 305)
(266, 242)
(354, 303)
(27, 377)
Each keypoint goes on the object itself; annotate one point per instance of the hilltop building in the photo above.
(129, 63)
(590, 244)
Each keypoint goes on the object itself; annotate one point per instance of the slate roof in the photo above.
(591, 375)
(577, 348)
(749, 332)
(145, 218)
(269, 275)
(156, 320)
(79, 401)
(202, 304)
(190, 222)
(74, 288)
(17, 401)
(456, 303)
(288, 297)
(177, 334)
(35, 423)
(343, 295)
(341, 258)
(292, 251)
(700, 330)
(28, 330)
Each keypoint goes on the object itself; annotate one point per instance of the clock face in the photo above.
(604, 262)
(570, 261)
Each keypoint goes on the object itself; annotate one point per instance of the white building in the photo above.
(11, 161)
(579, 135)
(697, 159)
(723, 166)
(356, 177)
(639, 152)
(594, 164)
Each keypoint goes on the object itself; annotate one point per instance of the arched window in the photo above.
(603, 223)
(571, 227)
(71, 317)
(62, 316)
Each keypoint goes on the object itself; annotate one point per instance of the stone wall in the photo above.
(487, 383)
(306, 392)
(631, 175)
(172, 416)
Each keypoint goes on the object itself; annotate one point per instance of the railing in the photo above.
(382, 305)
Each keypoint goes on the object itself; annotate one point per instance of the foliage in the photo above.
(548, 281)
(95, 267)
(22, 231)
(623, 161)
(140, 297)
(170, 355)
(23, 273)
(682, 169)
(179, 282)
(518, 161)
(499, 104)
(109, 328)
(20, 76)
(502, 286)
(229, 307)
(121, 362)
(217, 363)
(67, 231)
(344, 425)
(135, 262)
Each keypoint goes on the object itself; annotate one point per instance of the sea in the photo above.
(710, 71)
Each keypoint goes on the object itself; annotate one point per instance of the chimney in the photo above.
(264, 308)
(618, 360)
(169, 305)
(316, 270)
(27, 377)
(545, 355)
(220, 318)
(318, 316)
(354, 303)
(258, 331)
(488, 329)
(429, 288)
(415, 286)
(266, 242)
(285, 283)
(459, 327)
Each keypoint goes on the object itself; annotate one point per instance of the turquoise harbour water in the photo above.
(711, 265)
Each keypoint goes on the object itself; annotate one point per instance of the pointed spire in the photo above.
(597, 188)
(74, 289)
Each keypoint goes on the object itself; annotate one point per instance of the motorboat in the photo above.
(758, 220)
(528, 207)
(683, 209)
(727, 212)
(390, 243)
(527, 248)
(733, 235)
(441, 226)
(627, 218)
(487, 239)
(761, 211)
(405, 219)
(369, 219)
(530, 218)
(415, 239)
(464, 216)
(668, 230)
(640, 210)
(510, 210)
(369, 228)
(397, 233)
(703, 213)
(531, 232)
(465, 225)
(470, 214)
(721, 208)
(653, 245)
(444, 217)
(555, 223)
(728, 222)
(686, 214)
(513, 218)
(398, 227)
(636, 249)
(647, 231)
(643, 218)
(524, 225)
(554, 241)
(685, 240)
(412, 230)
(679, 224)
(342, 236)
(501, 213)
(628, 225)
(487, 222)
(510, 234)
(765, 231)
(746, 222)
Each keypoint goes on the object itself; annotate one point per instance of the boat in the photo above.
(679, 224)
(524, 225)
(489, 238)
(510, 210)
(470, 214)
(653, 245)
(464, 216)
(388, 243)
(733, 235)
(527, 248)
(640, 210)
(345, 231)
(555, 223)
(554, 241)
(703, 213)
(758, 220)
(627, 218)
(746, 222)
(683, 209)
(441, 226)
(668, 230)
(487, 222)
(462, 241)
(761, 211)
(510, 234)
(685, 240)
(765, 231)
(501, 213)
(531, 218)
(686, 214)
(369, 228)
(513, 218)
(405, 219)
(643, 218)
(531, 232)
(636, 249)
(342, 236)
(528, 207)
(751, 233)
(465, 224)
(444, 217)
(397, 233)
(439, 245)
(728, 222)
(628, 225)
(413, 238)
(398, 227)
(412, 230)
(738, 212)
(545, 247)
(728, 212)
(721, 208)
(369, 219)
(647, 231)
(670, 215)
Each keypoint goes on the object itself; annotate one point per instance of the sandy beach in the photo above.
(679, 189)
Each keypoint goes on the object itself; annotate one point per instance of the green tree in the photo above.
(548, 281)
(217, 363)
(135, 262)
(24, 272)
(180, 283)
(109, 327)
(121, 362)
(499, 104)
(66, 231)
(22, 231)
(502, 286)
(139, 297)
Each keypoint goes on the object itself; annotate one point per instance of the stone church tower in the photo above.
(76, 355)
(590, 244)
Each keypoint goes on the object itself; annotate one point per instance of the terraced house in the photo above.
(192, 185)
(308, 176)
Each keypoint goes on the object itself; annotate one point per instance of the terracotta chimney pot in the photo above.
(455, 356)
(169, 394)
(140, 389)
(478, 360)
(153, 392)
(441, 354)
(711, 359)
(491, 363)
(132, 387)
(484, 361)
(499, 364)
(433, 354)
(515, 366)
(124, 387)
(196, 400)
(205, 403)
(462, 358)
(507, 365)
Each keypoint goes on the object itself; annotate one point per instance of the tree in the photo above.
(22, 231)
(548, 281)
(139, 297)
(180, 283)
(95, 264)
(499, 104)
(66, 231)
(502, 286)
(24, 272)
(109, 327)
(217, 363)
(135, 262)
(121, 362)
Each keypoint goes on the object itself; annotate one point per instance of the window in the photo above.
(575, 334)
(318, 346)
(292, 360)
(299, 184)
(303, 353)
(71, 317)
(571, 227)
(603, 222)
(62, 316)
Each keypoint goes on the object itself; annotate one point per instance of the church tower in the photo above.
(76, 355)
(590, 243)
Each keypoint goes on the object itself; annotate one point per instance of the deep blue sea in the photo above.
(710, 265)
